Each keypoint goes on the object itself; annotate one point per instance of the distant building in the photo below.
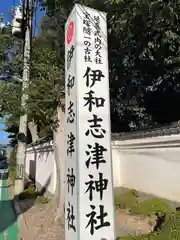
(2, 24)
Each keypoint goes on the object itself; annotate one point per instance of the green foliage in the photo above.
(31, 193)
(125, 200)
(12, 129)
(46, 90)
(8, 41)
(28, 193)
(170, 230)
(135, 238)
(10, 93)
(42, 199)
(144, 50)
(130, 200)
(150, 207)
(10, 99)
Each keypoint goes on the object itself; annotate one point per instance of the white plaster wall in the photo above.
(116, 167)
(43, 158)
(150, 165)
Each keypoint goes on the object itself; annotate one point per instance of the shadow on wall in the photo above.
(32, 166)
(33, 163)
(7, 213)
(32, 169)
(45, 187)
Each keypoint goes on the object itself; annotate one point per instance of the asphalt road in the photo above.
(8, 220)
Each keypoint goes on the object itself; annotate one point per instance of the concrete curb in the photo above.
(23, 227)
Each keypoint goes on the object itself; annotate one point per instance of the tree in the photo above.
(46, 100)
(150, 44)
(12, 127)
(45, 97)
(125, 109)
(144, 51)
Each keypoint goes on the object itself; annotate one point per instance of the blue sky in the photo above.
(5, 7)
(3, 135)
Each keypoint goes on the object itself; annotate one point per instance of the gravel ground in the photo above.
(127, 224)
(39, 224)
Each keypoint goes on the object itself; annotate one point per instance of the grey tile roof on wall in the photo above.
(171, 129)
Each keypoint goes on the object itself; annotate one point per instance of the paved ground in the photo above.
(127, 224)
(38, 221)
(8, 220)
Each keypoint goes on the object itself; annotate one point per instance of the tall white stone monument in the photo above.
(89, 204)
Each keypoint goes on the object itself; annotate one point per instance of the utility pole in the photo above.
(22, 135)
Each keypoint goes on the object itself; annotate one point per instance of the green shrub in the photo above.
(130, 200)
(150, 207)
(170, 230)
(125, 200)
(42, 199)
(28, 194)
(31, 193)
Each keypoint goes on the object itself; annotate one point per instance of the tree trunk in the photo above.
(58, 137)
(33, 130)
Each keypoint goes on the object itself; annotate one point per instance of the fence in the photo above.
(150, 164)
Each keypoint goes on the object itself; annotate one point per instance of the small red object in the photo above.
(70, 32)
